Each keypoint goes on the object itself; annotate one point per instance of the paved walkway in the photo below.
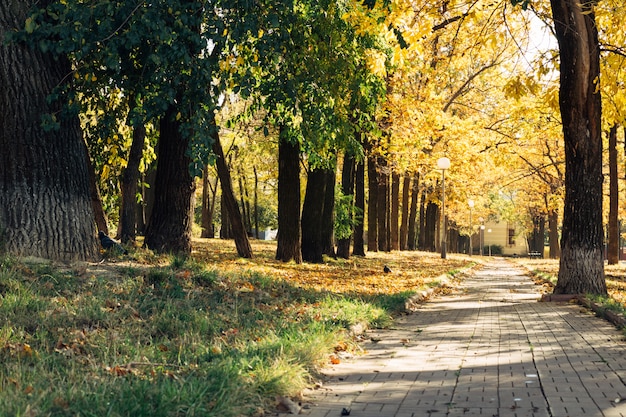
(489, 349)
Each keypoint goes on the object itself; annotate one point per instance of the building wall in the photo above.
(499, 235)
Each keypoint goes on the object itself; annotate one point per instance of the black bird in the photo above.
(108, 243)
(387, 269)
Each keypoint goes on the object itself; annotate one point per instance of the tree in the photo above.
(613, 230)
(45, 205)
(228, 197)
(289, 232)
(169, 226)
(581, 268)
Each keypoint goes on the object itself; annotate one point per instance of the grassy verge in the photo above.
(212, 335)
(614, 305)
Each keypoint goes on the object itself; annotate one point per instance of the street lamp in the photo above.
(470, 203)
(481, 238)
(443, 164)
(489, 231)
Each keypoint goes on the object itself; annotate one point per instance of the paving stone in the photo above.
(489, 348)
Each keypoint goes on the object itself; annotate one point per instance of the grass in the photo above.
(547, 270)
(209, 335)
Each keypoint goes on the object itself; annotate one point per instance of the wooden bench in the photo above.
(534, 255)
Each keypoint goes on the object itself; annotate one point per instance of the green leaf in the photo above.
(30, 25)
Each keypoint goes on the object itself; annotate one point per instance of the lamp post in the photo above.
(489, 231)
(470, 203)
(481, 238)
(443, 164)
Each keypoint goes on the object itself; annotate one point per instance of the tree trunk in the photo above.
(536, 239)
(328, 215)
(581, 264)
(372, 206)
(45, 203)
(94, 191)
(347, 188)
(614, 235)
(237, 226)
(312, 216)
(130, 186)
(169, 226)
(404, 225)
(553, 234)
(256, 203)
(394, 232)
(225, 230)
(382, 205)
(209, 195)
(289, 232)
(358, 247)
(421, 244)
(430, 227)
(413, 212)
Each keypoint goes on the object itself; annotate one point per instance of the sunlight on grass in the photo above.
(210, 335)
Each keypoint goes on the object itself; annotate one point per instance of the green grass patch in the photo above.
(181, 339)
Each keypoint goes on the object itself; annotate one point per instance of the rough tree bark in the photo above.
(289, 233)
(45, 204)
(581, 264)
(169, 226)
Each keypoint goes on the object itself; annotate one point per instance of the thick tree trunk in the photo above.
(581, 264)
(237, 226)
(289, 233)
(394, 232)
(130, 186)
(358, 247)
(614, 235)
(169, 227)
(312, 216)
(372, 205)
(347, 188)
(45, 204)
(412, 232)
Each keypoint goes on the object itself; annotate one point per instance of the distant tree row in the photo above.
(333, 112)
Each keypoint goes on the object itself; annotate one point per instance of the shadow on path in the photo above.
(489, 349)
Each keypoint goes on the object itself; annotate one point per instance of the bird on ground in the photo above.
(387, 269)
(108, 243)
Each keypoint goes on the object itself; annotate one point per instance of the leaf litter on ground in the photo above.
(212, 334)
